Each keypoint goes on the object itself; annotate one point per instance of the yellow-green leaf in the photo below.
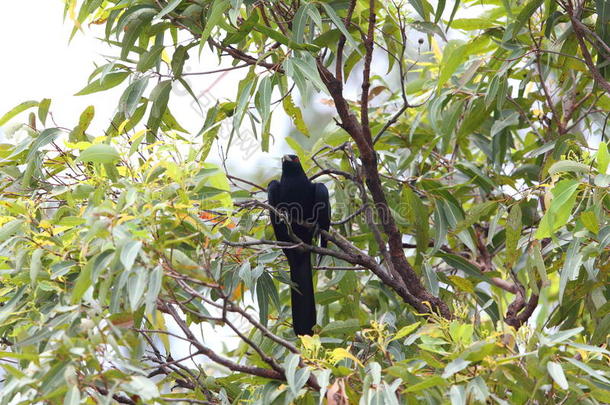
(602, 158)
(100, 153)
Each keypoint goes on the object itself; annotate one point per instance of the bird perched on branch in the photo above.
(307, 208)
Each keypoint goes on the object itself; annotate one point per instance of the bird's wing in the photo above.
(273, 192)
(273, 195)
(322, 209)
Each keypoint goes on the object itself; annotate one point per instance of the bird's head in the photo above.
(290, 158)
(291, 164)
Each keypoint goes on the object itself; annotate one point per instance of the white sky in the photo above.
(38, 63)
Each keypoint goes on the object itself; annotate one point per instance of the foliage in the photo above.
(469, 181)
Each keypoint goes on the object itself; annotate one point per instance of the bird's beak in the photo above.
(286, 158)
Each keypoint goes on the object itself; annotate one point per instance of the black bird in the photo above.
(302, 202)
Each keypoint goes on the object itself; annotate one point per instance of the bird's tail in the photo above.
(302, 296)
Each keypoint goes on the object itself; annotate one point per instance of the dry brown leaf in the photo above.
(336, 393)
(327, 101)
(375, 91)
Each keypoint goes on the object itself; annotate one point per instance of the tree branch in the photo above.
(366, 72)
(341, 44)
(580, 34)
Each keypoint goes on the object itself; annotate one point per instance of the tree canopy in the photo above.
(468, 168)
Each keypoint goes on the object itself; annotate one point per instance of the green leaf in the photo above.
(417, 214)
(86, 117)
(11, 228)
(472, 24)
(295, 113)
(440, 225)
(430, 278)
(214, 16)
(73, 396)
(282, 39)
(571, 266)
(159, 97)
(150, 58)
(418, 5)
(178, 59)
(538, 261)
(244, 92)
(136, 285)
(456, 5)
(46, 137)
(299, 22)
(83, 282)
(268, 288)
(439, 10)
(602, 158)
(432, 381)
(296, 379)
(26, 105)
(169, 120)
(455, 366)
(589, 370)
(129, 253)
(134, 24)
(36, 265)
(460, 263)
(475, 214)
(341, 328)
(568, 166)
(453, 57)
(263, 105)
(244, 30)
(589, 220)
(143, 387)
(330, 11)
(78, 133)
(513, 233)
(306, 65)
(404, 331)
(564, 198)
(603, 10)
(100, 262)
(508, 121)
(9, 308)
(556, 372)
(492, 90)
(526, 12)
(602, 180)
(154, 288)
(171, 6)
(429, 28)
(130, 98)
(109, 81)
(100, 153)
(43, 110)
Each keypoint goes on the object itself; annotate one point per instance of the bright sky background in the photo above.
(38, 63)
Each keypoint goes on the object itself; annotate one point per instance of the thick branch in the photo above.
(366, 73)
(341, 44)
(518, 311)
(350, 124)
(580, 34)
(231, 365)
(244, 57)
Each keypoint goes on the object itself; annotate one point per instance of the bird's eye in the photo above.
(296, 159)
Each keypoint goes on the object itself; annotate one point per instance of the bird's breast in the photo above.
(297, 201)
